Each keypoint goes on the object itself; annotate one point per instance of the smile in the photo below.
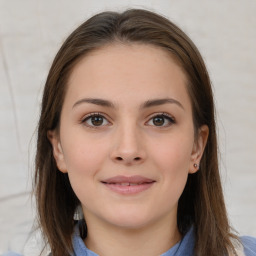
(128, 185)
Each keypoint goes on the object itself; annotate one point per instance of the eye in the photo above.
(95, 120)
(161, 120)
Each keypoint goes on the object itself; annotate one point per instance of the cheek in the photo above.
(173, 153)
(172, 158)
(83, 153)
(173, 161)
(84, 158)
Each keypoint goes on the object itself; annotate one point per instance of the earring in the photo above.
(196, 166)
(78, 215)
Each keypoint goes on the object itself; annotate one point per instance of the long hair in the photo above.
(201, 203)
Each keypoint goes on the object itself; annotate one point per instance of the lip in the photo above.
(128, 185)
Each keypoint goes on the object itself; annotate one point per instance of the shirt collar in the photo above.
(183, 247)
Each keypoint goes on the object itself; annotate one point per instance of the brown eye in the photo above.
(158, 121)
(95, 120)
(161, 120)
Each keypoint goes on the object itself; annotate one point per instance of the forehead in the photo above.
(127, 70)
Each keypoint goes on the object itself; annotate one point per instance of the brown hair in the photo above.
(201, 203)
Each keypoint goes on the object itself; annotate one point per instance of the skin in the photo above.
(128, 142)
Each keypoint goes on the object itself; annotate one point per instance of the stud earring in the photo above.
(78, 215)
(196, 166)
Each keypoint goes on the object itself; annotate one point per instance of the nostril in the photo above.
(120, 158)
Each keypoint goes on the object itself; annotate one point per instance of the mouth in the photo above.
(128, 185)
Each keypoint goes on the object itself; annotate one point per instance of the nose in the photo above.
(128, 146)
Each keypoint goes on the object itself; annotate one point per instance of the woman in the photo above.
(127, 135)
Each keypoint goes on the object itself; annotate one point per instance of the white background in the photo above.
(31, 31)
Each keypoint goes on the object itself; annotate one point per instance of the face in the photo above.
(126, 136)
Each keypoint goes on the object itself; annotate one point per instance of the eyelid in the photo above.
(161, 114)
(84, 119)
(165, 115)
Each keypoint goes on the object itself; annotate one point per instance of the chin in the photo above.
(130, 221)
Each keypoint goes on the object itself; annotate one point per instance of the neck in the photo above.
(154, 239)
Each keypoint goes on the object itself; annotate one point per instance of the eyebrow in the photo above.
(147, 104)
(99, 102)
(157, 102)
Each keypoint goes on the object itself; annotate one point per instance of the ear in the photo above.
(198, 148)
(53, 137)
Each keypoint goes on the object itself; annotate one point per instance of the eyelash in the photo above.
(170, 119)
(87, 117)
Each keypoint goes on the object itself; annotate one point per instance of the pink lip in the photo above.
(128, 185)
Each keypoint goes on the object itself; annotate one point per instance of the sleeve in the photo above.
(249, 244)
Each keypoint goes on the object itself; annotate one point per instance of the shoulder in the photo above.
(249, 244)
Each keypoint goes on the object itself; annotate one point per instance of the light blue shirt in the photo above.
(184, 248)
